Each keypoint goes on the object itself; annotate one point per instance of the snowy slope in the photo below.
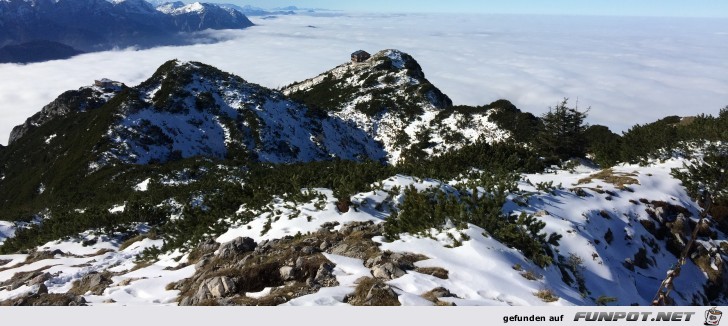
(179, 8)
(482, 271)
(189, 109)
(132, 284)
(389, 97)
(171, 8)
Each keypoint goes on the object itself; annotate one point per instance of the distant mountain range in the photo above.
(249, 10)
(39, 30)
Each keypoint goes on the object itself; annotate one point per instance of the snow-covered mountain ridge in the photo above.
(189, 109)
(197, 187)
(389, 97)
(94, 25)
(85, 98)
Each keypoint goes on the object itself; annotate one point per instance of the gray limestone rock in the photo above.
(387, 271)
(238, 246)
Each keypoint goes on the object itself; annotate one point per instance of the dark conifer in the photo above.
(562, 133)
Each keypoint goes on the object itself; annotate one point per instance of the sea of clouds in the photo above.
(628, 70)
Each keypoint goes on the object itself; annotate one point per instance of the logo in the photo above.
(712, 316)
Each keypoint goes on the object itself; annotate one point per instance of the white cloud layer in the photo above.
(629, 70)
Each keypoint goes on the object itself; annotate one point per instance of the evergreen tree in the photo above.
(603, 145)
(709, 177)
(562, 133)
(642, 141)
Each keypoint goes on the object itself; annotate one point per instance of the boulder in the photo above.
(324, 245)
(42, 289)
(628, 264)
(40, 279)
(202, 262)
(219, 287)
(236, 247)
(308, 250)
(288, 273)
(325, 275)
(212, 288)
(208, 245)
(95, 283)
(387, 271)
(342, 249)
(186, 301)
(376, 260)
(354, 249)
(299, 262)
(405, 261)
(660, 214)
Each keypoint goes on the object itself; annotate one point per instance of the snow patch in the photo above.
(143, 186)
(118, 208)
(49, 138)
(178, 8)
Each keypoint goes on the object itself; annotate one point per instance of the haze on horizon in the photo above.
(649, 8)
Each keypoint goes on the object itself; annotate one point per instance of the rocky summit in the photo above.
(389, 97)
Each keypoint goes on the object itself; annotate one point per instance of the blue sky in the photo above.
(692, 8)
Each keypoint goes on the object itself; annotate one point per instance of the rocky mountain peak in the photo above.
(169, 7)
(178, 7)
(179, 85)
(200, 16)
(85, 98)
(392, 59)
(390, 80)
(135, 6)
(388, 96)
(191, 109)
